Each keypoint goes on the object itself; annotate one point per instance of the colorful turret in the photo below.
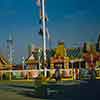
(60, 50)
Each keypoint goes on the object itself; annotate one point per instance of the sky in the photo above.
(73, 21)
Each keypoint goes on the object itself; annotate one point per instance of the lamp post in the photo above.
(43, 23)
(23, 62)
(80, 60)
(72, 61)
(44, 32)
(39, 57)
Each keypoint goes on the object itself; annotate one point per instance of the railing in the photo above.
(31, 74)
(66, 74)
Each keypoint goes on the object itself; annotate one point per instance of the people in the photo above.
(92, 74)
(57, 74)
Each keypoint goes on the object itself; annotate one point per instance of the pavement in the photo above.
(86, 90)
(15, 90)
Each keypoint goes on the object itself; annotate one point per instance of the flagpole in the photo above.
(44, 33)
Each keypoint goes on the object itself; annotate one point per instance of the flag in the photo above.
(46, 19)
(41, 13)
(47, 33)
(38, 2)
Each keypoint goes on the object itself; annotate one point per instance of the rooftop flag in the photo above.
(38, 2)
(47, 33)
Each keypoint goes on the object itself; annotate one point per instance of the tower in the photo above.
(60, 50)
(10, 49)
(98, 44)
(29, 50)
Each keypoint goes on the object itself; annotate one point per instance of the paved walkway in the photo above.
(8, 95)
(13, 91)
(87, 90)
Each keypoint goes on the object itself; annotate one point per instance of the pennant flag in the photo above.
(41, 13)
(47, 33)
(38, 2)
(46, 19)
(41, 32)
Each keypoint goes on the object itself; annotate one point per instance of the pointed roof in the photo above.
(31, 60)
(31, 57)
(3, 60)
(4, 64)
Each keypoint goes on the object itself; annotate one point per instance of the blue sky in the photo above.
(73, 21)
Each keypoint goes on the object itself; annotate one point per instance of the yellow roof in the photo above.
(31, 61)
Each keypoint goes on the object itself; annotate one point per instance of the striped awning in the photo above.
(73, 52)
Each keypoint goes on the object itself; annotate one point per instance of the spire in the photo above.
(10, 48)
(98, 38)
